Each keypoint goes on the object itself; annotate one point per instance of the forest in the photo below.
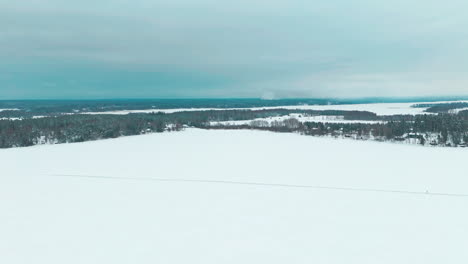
(442, 108)
(449, 130)
(28, 109)
(441, 129)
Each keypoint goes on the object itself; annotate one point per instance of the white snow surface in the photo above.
(301, 118)
(133, 219)
(378, 108)
(153, 110)
(11, 118)
(458, 110)
(21, 118)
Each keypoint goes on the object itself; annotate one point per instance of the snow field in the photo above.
(133, 219)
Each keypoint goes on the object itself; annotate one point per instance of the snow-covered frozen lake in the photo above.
(233, 197)
(378, 108)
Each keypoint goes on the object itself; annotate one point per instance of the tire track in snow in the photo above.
(261, 184)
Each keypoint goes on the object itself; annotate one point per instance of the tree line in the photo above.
(440, 130)
(80, 128)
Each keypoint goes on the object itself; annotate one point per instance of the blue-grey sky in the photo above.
(242, 48)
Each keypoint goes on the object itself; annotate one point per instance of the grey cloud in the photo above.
(305, 48)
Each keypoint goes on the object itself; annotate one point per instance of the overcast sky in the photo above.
(242, 48)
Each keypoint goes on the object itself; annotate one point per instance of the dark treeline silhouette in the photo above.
(442, 108)
(79, 128)
(440, 129)
(59, 107)
(31, 108)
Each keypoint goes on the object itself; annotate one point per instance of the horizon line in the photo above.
(245, 98)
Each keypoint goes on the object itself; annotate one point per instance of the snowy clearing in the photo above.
(9, 109)
(456, 111)
(11, 118)
(21, 118)
(379, 109)
(300, 118)
(369, 203)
